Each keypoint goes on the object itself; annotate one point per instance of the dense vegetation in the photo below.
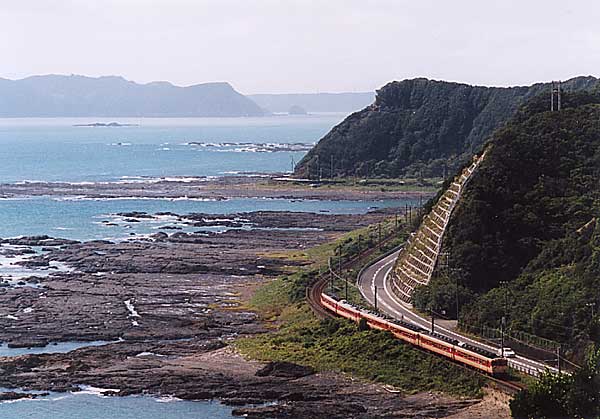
(566, 396)
(419, 128)
(530, 217)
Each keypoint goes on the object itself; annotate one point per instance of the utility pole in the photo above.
(432, 321)
(457, 302)
(376, 298)
(318, 168)
(556, 91)
(293, 164)
(331, 279)
(558, 359)
(591, 306)
(446, 256)
(346, 282)
(503, 284)
(502, 336)
(396, 222)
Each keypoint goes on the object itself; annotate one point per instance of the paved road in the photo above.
(376, 275)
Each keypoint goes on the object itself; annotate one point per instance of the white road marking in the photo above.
(407, 314)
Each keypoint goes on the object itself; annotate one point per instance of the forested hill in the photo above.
(531, 216)
(78, 96)
(419, 127)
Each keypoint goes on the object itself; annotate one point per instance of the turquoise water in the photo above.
(55, 150)
(82, 219)
(52, 348)
(87, 405)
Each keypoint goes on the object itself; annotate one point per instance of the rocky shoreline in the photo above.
(172, 303)
(221, 188)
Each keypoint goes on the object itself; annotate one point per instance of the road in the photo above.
(376, 276)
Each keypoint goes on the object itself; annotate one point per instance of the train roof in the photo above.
(407, 325)
(479, 351)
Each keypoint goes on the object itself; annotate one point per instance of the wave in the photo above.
(250, 147)
(95, 391)
(158, 179)
(168, 399)
(134, 198)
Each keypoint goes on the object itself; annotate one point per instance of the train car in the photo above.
(466, 354)
(376, 322)
(436, 345)
(406, 331)
(499, 366)
(329, 303)
(341, 308)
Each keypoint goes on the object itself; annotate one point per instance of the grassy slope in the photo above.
(338, 344)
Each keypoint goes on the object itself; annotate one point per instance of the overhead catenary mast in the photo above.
(555, 92)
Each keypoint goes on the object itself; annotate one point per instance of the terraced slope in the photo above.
(417, 261)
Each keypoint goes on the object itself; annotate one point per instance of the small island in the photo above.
(104, 124)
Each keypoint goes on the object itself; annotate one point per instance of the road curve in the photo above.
(376, 275)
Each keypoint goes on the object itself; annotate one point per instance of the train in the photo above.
(463, 353)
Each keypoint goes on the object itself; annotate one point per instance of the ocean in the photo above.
(56, 150)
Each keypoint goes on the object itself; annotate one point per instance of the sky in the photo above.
(277, 46)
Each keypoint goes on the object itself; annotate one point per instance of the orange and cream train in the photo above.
(466, 354)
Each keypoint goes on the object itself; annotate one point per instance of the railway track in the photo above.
(314, 291)
(313, 297)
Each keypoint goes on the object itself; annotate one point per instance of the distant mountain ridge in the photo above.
(314, 102)
(420, 127)
(112, 96)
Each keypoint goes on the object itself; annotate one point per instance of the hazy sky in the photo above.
(302, 45)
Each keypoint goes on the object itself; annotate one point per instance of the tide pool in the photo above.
(51, 348)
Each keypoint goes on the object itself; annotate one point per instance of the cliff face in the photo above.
(419, 127)
(75, 96)
(531, 216)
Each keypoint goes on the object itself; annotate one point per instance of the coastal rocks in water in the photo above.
(174, 302)
(24, 343)
(226, 187)
(11, 253)
(34, 263)
(38, 241)
(106, 124)
(134, 214)
(13, 395)
(168, 279)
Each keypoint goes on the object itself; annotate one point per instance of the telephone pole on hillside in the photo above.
(555, 93)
